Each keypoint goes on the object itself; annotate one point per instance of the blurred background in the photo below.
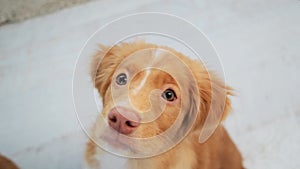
(257, 40)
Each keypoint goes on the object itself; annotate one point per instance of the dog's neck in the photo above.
(180, 157)
(111, 161)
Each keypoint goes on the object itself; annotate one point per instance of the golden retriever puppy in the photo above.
(156, 103)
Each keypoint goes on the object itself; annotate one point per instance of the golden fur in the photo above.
(6, 163)
(218, 152)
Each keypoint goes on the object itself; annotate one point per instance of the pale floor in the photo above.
(258, 42)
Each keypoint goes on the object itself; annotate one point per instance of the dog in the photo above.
(145, 90)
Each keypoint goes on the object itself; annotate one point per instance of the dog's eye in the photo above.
(121, 79)
(169, 95)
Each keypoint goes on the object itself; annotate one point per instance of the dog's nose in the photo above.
(125, 122)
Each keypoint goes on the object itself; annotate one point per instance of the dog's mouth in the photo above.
(118, 141)
(127, 146)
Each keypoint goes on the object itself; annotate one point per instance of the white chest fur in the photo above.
(111, 161)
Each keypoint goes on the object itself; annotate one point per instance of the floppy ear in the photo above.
(103, 65)
(215, 105)
(214, 96)
(214, 101)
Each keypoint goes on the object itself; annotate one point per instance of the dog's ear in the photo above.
(103, 65)
(215, 103)
(214, 96)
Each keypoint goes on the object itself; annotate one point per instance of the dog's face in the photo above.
(146, 91)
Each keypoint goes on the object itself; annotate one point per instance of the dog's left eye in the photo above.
(121, 79)
(169, 95)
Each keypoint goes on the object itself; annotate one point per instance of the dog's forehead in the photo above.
(153, 77)
(154, 59)
(158, 53)
(147, 59)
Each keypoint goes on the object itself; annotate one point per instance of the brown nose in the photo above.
(122, 124)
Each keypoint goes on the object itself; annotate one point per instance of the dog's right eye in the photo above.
(169, 95)
(121, 79)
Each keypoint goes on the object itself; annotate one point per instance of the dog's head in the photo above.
(148, 89)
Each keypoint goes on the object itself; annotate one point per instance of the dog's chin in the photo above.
(117, 142)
